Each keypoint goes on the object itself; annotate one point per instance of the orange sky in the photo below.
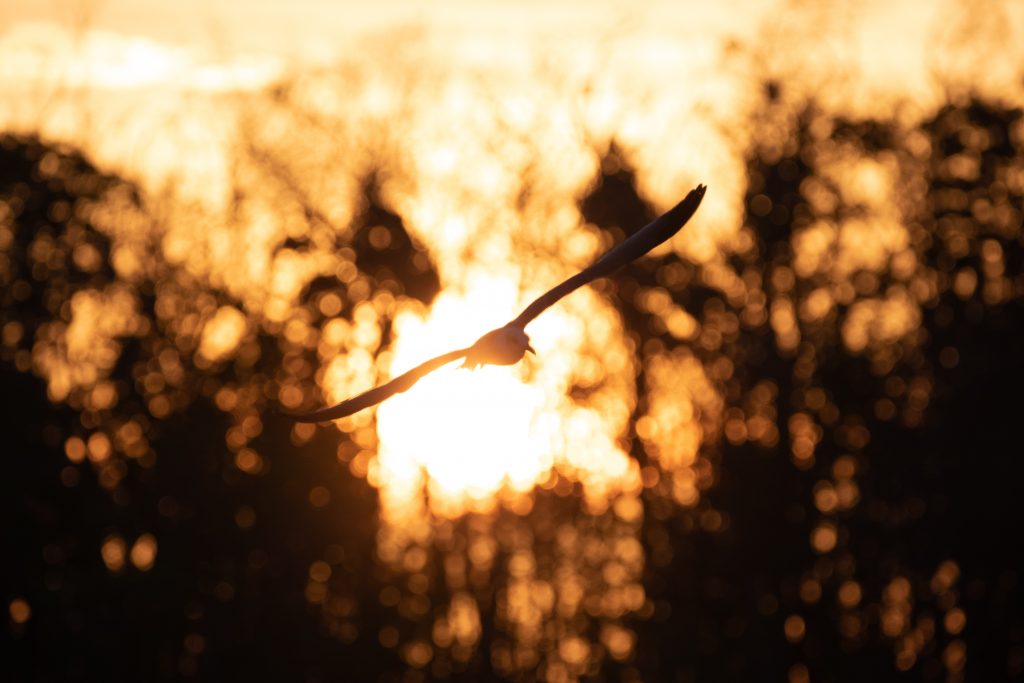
(110, 55)
(287, 26)
(888, 41)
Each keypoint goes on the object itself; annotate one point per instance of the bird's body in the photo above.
(503, 346)
(508, 344)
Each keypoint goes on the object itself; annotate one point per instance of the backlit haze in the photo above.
(285, 152)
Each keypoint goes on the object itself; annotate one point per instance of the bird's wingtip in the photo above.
(692, 199)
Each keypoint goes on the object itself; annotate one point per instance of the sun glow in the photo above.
(469, 432)
(469, 440)
(462, 440)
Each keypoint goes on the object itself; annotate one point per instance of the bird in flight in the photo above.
(508, 344)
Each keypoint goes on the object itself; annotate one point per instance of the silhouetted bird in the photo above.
(508, 344)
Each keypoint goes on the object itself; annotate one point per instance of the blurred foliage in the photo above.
(844, 489)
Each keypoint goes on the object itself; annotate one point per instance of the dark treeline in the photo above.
(871, 531)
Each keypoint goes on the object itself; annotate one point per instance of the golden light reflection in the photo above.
(84, 350)
(222, 333)
(113, 552)
(684, 409)
(143, 553)
(19, 611)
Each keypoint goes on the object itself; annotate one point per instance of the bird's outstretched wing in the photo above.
(638, 244)
(378, 394)
(635, 246)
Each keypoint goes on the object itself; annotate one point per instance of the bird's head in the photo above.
(503, 346)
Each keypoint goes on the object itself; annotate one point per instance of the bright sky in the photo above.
(888, 39)
(869, 52)
(140, 42)
(278, 25)
(108, 55)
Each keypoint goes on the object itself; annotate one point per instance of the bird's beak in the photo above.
(530, 349)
